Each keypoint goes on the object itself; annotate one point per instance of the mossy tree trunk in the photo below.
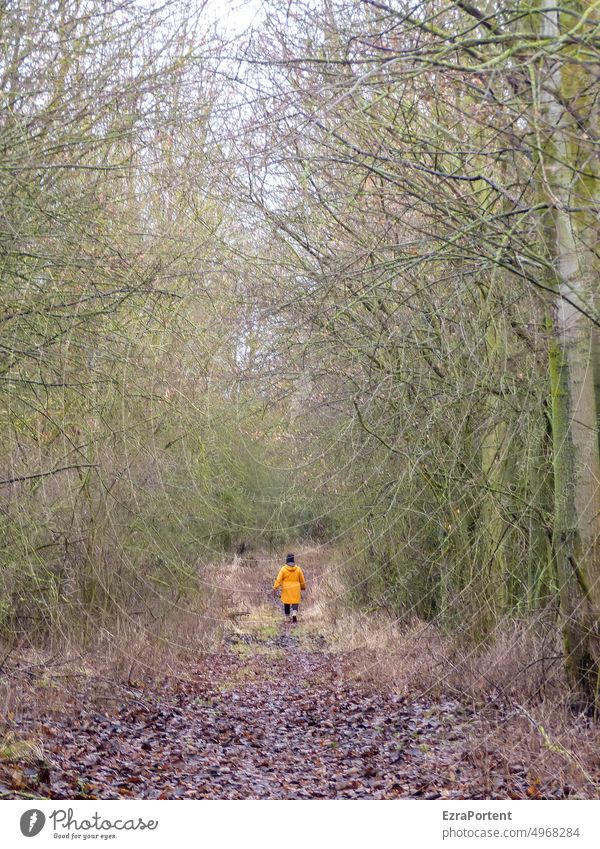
(573, 392)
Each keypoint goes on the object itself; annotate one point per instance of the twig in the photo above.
(50, 472)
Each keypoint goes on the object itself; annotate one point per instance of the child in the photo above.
(291, 580)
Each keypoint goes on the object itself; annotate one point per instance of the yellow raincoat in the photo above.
(291, 580)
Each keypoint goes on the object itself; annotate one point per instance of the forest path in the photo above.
(270, 716)
(273, 715)
(276, 713)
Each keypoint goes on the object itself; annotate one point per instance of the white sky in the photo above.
(236, 16)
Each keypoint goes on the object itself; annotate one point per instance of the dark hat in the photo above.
(289, 558)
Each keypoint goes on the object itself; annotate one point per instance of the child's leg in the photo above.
(286, 610)
(294, 612)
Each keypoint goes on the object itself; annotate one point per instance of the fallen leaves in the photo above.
(268, 724)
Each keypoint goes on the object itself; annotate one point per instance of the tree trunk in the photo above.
(575, 437)
(493, 467)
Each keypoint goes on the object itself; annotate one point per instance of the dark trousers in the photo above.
(286, 608)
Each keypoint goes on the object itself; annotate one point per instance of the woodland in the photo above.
(300, 275)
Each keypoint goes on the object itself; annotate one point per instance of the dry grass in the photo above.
(136, 653)
(514, 686)
(19, 751)
(416, 658)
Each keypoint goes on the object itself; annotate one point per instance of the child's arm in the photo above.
(302, 581)
(278, 579)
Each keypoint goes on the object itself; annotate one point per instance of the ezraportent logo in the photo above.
(32, 822)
